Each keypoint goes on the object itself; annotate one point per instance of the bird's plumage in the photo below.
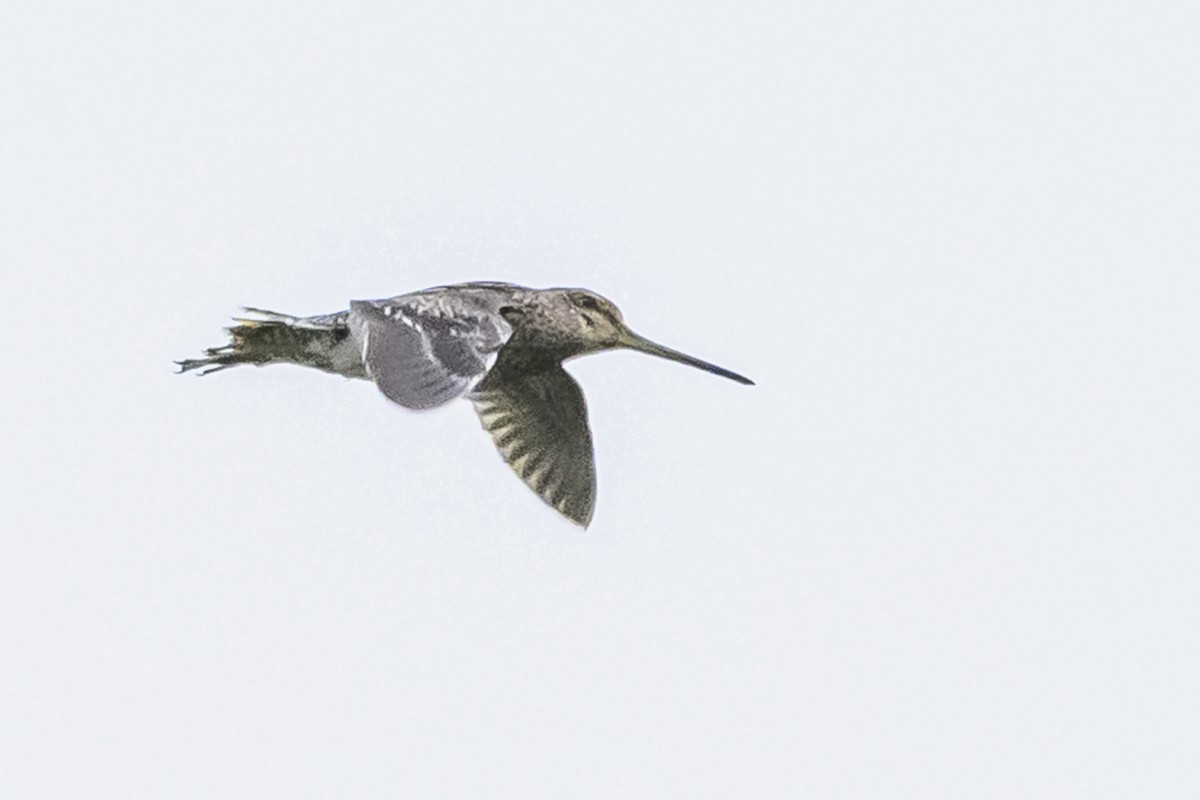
(538, 421)
(422, 350)
(500, 345)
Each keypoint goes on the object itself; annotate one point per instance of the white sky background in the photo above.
(947, 547)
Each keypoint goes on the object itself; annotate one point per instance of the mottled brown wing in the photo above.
(539, 424)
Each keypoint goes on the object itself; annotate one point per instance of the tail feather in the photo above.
(266, 337)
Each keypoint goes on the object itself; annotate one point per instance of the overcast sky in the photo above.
(946, 547)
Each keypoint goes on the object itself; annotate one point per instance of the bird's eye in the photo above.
(587, 301)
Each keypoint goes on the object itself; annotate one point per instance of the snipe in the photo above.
(499, 344)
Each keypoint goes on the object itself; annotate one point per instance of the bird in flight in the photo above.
(500, 345)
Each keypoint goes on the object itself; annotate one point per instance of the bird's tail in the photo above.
(267, 337)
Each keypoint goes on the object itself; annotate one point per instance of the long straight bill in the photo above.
(635, 342)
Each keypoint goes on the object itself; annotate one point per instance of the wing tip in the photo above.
(577, 513)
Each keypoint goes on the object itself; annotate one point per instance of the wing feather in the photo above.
(425, 349)
(539, 424)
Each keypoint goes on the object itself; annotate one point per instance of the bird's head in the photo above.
(601, 327)
(598, 321)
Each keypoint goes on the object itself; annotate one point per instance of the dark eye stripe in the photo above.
(583, 301)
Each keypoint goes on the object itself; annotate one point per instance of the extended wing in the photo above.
(427, 348)
(539, 423)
